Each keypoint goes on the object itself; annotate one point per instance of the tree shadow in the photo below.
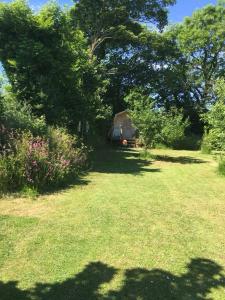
(10, 290)
(179, 159)
(121, 161)
(201, 278)
(65, 185)
(50, 189)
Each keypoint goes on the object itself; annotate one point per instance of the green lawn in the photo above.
(131, 229)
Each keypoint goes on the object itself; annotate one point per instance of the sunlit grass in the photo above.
(131, 212)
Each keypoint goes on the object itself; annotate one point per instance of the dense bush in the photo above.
(173, 128)
(33, 155)
(17, 115)
(188, 142)
(155, 126)
(48, 64)
(214, 138)
(221, 166)
(38, 162)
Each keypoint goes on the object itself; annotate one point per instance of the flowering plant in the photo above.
(28, 160)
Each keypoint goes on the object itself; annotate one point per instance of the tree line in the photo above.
(80, 63)
(69, 69)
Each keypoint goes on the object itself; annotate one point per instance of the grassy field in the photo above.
(131, 229)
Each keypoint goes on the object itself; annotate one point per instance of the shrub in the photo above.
(147, 155)
(206, 146)
(188, 142)
(38, 162)
(214, 138)
(17, 115)
(29, 192)
(173, 128)
(221, 166)
(155, 126)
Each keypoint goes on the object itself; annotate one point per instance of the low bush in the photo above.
(173, 128)
(205, 148)
(214, 138)
(207, 144)
(37, 162)
(155, 126)
(221, 166)
(147, 155)
(17, 115)
(188, 142)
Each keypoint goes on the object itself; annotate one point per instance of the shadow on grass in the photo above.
(121, 161)
(201, 278)
(108, 160)
(105, 160)
(67, 184)
(47, 190)
(179, 159)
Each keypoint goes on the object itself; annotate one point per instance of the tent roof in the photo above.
(121, 113)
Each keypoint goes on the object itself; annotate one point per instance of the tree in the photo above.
(144, 116)
(215, 121)
(155, 125)
(48, 64)
(116, 20)
(180, 65)
(201, 40)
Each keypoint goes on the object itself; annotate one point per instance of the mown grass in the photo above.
(143, 228)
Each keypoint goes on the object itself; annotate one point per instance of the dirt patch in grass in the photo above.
(21, 207)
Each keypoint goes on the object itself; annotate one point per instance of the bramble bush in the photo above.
(38, 162)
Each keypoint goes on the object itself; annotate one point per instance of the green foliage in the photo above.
(154, 125)
(173, 128)
(18, 115)
(147, 155)
(75, 65)
(144, 116)
(205, 146)
(221, 166)
(29, 192)
(214, 138)
(188, 142)
(114, 21)
(178, 66)
(201, 40)
(48, 64)
(38, 162)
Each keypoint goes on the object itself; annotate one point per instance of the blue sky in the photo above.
(182, 9)
(185, 8)
(177, 12)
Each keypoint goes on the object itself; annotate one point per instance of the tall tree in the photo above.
(116, 20)
(201, 39)
(48, 63)
(179, 66)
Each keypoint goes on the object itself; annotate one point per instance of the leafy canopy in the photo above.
(215, 121)
(48, 64)
(103, 20)
(155, 125)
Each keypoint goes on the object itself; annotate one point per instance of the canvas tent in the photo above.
(122, 128)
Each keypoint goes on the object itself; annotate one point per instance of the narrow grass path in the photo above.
(132, 229)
